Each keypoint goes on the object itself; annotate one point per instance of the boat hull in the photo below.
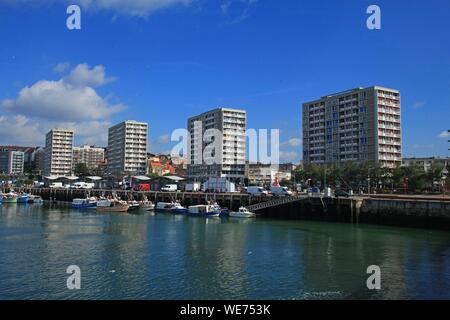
(241, 215)
(10, 200)
(22, 199)
(179, 211)
(123, 208)
(84, 205)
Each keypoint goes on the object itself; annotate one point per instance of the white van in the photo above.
(257, 191)
(170, 188)
(55, 185)
(280, 191)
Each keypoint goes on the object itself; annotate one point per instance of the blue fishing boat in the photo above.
(23, 198)
(178, 209)
(205, 210)
(84, 203)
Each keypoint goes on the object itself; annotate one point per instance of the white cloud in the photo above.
(163, 139)
(295, 142)
(71, 102)
(138, 8)
(418, 105)
(83, 75)
(61, 67)
(444, 134)
(236, 10)
(287, 156)
(68, 99)
(20, 130)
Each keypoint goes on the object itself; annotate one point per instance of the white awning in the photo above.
(71, 178)
(141, 178)
(94, 178)
(51, 177)
(174, 178)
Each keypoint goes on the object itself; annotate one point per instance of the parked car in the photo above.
(341, 193)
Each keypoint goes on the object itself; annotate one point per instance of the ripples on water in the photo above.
(173, 257)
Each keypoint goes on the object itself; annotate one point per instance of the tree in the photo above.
(81, 170)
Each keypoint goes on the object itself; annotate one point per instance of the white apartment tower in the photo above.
(127, 148)
(356, 125)
(217, 144)
(11, 161)
(58, 152)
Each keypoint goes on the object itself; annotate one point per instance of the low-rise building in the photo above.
(427, 163)
(265, 174)
(91, 156)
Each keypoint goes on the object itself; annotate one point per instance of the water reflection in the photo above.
(144, 256)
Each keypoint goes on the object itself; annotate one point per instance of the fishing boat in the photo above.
(37, 199)
(218, 209)
(170, 207)
(10, 198)
(112, 205)
(147, 205)
(242, 213)
(23, 198)
(205, 210)
(84, 203)
(133, 205)
(177, 208)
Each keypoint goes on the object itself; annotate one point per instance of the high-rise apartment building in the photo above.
(11, 161)
(356, 125)
(58, 152)
(89, 155)
(217, 144)
(127, 148)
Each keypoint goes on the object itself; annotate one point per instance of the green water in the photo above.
(143, 256)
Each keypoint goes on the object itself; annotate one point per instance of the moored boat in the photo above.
(84, 203)
(147, 205)
(112, 205)
(242, 213)
(23, 198)
(10, 198)
(177, 208)
(37, 200)
(205, 210)
(133, 206)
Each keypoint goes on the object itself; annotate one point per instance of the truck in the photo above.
(169, 188)
(192, 187)
(257, 191)
(219, 185)
(280, 191)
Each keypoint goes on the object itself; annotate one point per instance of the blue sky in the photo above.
(162, 61)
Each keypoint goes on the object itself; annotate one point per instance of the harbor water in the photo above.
(162, 256)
